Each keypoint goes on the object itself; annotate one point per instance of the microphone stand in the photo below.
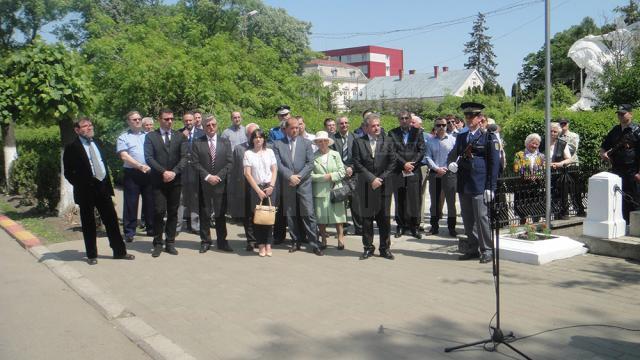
(497, 336)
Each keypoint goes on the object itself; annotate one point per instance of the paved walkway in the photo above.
(42, 318)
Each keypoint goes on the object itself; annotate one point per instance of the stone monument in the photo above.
(604, 213)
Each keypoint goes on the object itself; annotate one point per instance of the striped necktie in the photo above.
(212, 152)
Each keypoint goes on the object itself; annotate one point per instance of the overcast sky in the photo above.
(517, 27)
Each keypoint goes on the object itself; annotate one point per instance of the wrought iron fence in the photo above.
(521, 197)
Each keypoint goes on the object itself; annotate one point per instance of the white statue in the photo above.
(591, 54)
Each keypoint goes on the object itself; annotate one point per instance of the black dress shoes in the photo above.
(318, 252)
(387, 255)
(366, 254)
(157, 250)
(399, 232)
(294, 248)
(435, 230)
(128, 239)
(453, 232)
(226, 249)
(204, 247)
(171, 250)
(92, 261)
(486, 258)
(469, 256)
(124, 257)
(416, 234)
(249, 247)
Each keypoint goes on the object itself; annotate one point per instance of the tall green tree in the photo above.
(631, 12)
(49, 85)
(563, 69)
(618, 84)
(480, 51)
(21, 20)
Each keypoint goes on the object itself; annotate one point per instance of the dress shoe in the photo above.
(453, 232)
(434, 230)
(486, 258)
(92, 261)
(204, 247)
(294, 248)
(128, 238)
(399, 232)
(469, 256)
(387, 255)
(124, 257)
(366, 254)
(249, 247)
(421, 228)
(171, 250)
(157, 250)
(226, 249)
(318, 252)
(416, 234)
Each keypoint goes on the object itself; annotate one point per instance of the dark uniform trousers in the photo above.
(206, 209)
(136, 183)
(167, 199)
(383, 219)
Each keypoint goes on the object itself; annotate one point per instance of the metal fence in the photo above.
(521, 197)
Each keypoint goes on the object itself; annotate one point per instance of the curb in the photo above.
(156, 345)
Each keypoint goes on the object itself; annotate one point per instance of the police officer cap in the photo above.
(471, 108)
(624, 108)
(283, 110)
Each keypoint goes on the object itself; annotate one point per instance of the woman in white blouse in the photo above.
(260, 169)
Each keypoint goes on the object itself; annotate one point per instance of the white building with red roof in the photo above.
(348, 79)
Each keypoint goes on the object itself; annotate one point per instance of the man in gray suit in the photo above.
(295, 162)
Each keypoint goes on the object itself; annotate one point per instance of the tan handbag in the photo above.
(265, 214)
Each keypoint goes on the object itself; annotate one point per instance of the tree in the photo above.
(563, 69)
(26, 18)
(49, 86)
(480, 50)
(561, 97)
(630, 12)
(618, 84)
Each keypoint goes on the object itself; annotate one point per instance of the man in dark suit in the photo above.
(344, 145)
(374, 161)
(409, 147)
(163, 150)
(238, 201)
(295, 162)
(188, 211)
(92, 189)
(476, 159)
(213, 158)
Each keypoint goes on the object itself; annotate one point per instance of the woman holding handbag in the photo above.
(260, 169)
(327, 174)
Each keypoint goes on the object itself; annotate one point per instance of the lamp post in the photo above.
(245, 18)
(547, 109)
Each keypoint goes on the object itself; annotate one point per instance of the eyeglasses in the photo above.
(136, 119)
(441, 125)
(405, 118)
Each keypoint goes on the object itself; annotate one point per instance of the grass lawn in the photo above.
(39, 224)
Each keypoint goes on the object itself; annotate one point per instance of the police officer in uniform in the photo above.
(476, 159)
(621, 147)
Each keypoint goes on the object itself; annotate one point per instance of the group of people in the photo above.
(189, 177)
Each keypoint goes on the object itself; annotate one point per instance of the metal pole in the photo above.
(547, 109)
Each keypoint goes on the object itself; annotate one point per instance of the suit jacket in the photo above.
(414, 151)
(237, 185)
(224, 158)
(302, 166)
(368, 168)
(339, 143)
(77, 170)
(161, 157)
(321, 186)
(480, 172)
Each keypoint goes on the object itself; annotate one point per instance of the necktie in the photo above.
(372, 142)
(166, 138)
(293, 149)
(212, 152)
(345, 150)
(98, 172)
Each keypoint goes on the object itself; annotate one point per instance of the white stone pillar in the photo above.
(604, 213)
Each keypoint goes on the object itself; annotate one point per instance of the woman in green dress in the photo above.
(328, 172)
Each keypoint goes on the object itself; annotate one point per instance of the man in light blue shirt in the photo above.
(236, 133)
(137, 181)
(442, 183)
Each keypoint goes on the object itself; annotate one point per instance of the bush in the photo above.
(591, 126)
(36, 172)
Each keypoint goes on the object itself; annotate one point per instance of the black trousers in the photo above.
(100, 199)
(383, 220)
(206, 209)
(136, 183)
(629, 187)
(167, 199)
(247, 219)
(261, 234)
(405, 217)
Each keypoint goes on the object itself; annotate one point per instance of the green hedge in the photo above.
(36, 172)
(591, 126)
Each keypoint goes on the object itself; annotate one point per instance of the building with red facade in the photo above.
(373, 61)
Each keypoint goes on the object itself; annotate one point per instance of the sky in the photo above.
(516, 31)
